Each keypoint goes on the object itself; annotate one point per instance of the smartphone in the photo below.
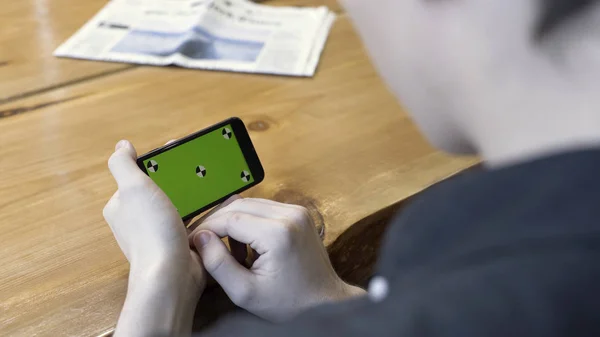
(205, 168)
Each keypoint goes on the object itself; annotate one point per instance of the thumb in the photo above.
(222, 266)
(123, 166)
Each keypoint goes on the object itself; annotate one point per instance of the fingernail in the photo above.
(121, 144)
(203, 238)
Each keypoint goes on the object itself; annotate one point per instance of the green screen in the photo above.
(201, 171)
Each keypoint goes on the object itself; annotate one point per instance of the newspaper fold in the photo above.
(229, 35)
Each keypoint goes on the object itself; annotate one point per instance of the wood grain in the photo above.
(29, 33)
(31, 30)
(338, 143)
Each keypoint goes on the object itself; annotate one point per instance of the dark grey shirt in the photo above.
(508, 252)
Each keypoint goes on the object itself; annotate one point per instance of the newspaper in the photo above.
(229, 35)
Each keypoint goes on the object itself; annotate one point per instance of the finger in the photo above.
(257, 207)
(212, 211)
(243, 227)
(219, 263)
(122, 164)
(275, 203)
(238, 249)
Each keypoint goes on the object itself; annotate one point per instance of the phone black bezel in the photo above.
(243, 138)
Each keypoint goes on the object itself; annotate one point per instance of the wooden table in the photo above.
(337, 143)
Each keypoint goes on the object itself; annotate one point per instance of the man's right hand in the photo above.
(292, 272)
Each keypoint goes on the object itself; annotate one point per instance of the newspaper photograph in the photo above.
(227, 35)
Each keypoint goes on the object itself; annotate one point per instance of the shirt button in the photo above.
(378, 289)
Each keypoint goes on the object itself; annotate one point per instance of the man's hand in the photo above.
(292, 272)
(166, 277)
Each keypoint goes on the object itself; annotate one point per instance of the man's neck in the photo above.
(529, 139)
(521, 120)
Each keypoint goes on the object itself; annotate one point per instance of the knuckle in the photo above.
(233, 218)
(287, 234)
(301, 216)
(299, 208)
(236, 217)
(292, 228)
(289, 225)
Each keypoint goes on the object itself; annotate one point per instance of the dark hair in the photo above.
(557, 12)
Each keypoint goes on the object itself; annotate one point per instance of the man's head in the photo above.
(460, 67)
